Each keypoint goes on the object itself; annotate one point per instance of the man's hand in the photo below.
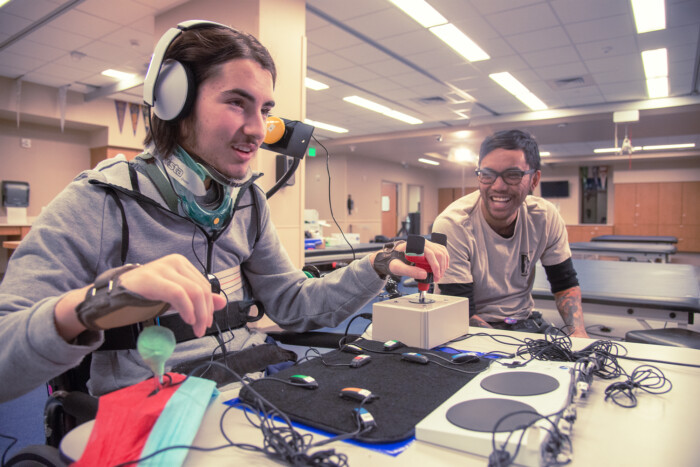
(171, 279)
(478, 321)
(435, 254)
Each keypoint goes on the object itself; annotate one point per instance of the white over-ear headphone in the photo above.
(169, 88)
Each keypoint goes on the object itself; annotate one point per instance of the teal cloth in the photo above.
(179, 422)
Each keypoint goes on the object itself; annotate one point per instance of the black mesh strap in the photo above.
(109, 305)
(386, 256)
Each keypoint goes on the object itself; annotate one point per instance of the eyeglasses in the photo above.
(510, 176)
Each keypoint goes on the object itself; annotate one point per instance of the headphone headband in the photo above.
(177, 74)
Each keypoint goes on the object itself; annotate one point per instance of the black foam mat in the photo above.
(407, 391)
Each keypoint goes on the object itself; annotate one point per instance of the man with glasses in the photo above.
(496, 235)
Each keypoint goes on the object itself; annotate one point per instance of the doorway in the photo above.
(390, 215)
(415, 193)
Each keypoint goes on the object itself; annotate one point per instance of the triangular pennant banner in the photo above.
(134, 110)
(121, 112)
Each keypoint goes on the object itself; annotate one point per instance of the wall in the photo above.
(53, 160)
(660, 170)
(361, 177)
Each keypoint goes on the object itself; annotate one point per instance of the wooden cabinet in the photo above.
(667, 208)
(447, 195)
(585, 232)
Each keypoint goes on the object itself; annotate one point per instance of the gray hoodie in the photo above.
(79, 235)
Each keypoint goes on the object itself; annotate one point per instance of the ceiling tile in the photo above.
(492, 6)
(12, 24)
(627, 90)
(553, 56)
(332, 35)
(577, 11)
(122, 11)
(362, 54)
(31, 49)
(328, 62)
(525, 19)
(90, 25)
(539, 40)
(608, 48)
(381, 24)
(604, 28)
(30, 9)
(63, 40)
(343, 10)
(567, 70)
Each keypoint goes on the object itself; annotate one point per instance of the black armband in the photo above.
(461, 290)
(109, 305)
(386, 256)
(562, 276)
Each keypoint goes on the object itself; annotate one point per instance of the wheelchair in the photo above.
(69, 403)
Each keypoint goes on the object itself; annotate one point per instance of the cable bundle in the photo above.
(648, 378)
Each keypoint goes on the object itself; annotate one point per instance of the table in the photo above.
(636, 238)
(661, 430)
(330, 254)
(626, 251)
(10, 244)
(639, 291)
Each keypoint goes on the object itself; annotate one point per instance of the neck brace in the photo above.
(188, 179)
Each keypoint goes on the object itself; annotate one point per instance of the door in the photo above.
(389, 209)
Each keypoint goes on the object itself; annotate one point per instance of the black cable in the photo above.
(7, 449)
(281, 440)
(367, 316)
(330, 204)
(648, 378)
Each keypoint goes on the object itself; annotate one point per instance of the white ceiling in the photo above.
(582, 58)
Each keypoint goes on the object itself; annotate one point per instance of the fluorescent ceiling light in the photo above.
(403, 117)
(367, 104)
(516, 88)
(459, 41)
(605, 150)
(315, 85)
(120, 75)
(463, 155)
(655, 63)
(325, 126)
(428, 161)
(3, 2)
(462, 134)
(649, 15)
(668, 146)
(545, 153)
(382, 109)
(657, 87)
(421, 12)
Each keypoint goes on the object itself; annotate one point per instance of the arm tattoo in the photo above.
(570, 308)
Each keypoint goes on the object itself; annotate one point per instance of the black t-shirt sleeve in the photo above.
(561, 276)
(461, 290)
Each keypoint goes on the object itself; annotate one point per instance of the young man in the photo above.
(496, 236)
(187, 210)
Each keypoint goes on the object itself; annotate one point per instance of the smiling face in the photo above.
(499, 201)
(227, 125)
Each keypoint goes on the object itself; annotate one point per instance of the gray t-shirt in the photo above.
(502, 269)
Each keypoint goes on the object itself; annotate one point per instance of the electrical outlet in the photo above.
(25, 143)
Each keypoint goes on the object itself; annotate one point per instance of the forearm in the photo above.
(571, 309)
(67, 324)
